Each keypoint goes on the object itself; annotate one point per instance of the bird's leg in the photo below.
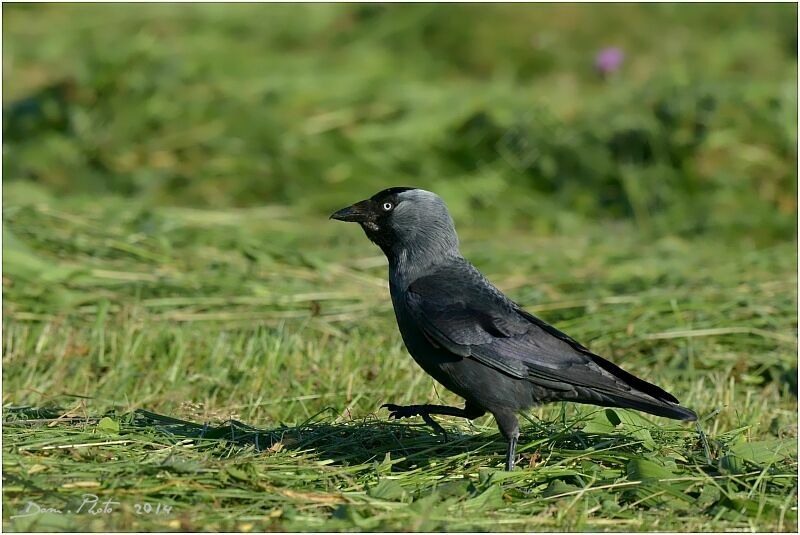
(436, 427)
(509, 428)
(511, 453)
(406, 411)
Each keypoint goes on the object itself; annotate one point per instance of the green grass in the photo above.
(184, 328)
(240, 105)
(139, 315)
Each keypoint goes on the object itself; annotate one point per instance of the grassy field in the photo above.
(190, 345)
(188, 314)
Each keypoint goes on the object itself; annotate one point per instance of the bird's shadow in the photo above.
(353, 442)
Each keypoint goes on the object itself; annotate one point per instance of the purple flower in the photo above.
(608, 60)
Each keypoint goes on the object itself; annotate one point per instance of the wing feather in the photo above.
(460, 310)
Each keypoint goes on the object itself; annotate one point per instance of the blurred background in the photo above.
(680, 119)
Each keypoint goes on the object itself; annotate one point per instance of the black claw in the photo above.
(401, 411)
(407, 411)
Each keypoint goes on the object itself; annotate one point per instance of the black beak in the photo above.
(358, 213)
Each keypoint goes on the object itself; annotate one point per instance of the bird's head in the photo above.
(402, 221)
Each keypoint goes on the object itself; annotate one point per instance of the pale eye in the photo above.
(387, 206)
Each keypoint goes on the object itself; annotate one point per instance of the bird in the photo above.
(474, 340)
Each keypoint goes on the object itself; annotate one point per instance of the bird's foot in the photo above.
(401, 411)
(407, 411)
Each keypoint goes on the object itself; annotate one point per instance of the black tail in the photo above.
(667, 410)
(654, 401)
(646, 397)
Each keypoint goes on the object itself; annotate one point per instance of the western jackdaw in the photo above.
(473, 339)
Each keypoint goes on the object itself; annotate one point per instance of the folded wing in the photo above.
(460, 310)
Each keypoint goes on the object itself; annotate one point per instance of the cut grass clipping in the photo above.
(199, 378)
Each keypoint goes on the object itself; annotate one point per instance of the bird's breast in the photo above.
(431, 357)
